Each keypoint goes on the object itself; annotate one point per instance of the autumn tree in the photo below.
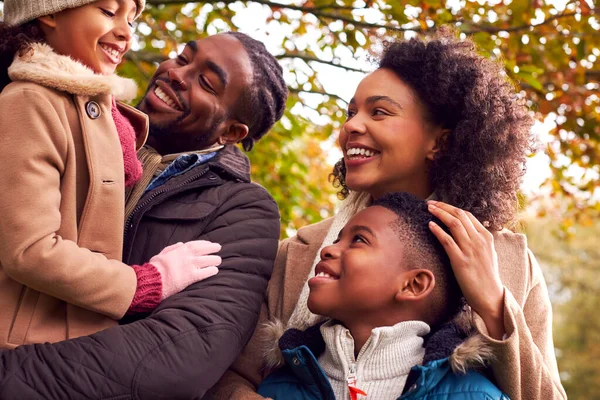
(549, 47)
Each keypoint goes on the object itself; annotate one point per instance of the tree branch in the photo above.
(308, 58)
(335, 96)
(311, 10)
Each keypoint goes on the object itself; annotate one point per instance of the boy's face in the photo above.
(359, 275)
(97, 34)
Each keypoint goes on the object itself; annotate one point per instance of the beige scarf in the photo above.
(153, 165)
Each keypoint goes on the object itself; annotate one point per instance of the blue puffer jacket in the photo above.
(446, 374)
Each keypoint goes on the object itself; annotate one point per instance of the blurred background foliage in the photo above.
(550, 49)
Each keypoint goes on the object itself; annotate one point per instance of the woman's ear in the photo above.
(234, 134)
(47, 21)
(440, 136)
(416, 285)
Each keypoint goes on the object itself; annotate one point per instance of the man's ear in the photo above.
(416, 284)
(234, 134)
(440, 137)
(47, 21)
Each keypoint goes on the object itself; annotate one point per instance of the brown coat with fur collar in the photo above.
(62, 180)
(524, 365)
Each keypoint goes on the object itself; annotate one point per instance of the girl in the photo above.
(67, 150)
(439, 121)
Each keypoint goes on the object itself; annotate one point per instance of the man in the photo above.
(220, 91)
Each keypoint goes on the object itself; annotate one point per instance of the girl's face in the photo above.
(386, 142)
(97, 34)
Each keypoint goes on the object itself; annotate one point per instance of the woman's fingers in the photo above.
(461, 215)
(446, 240)
(456, 225)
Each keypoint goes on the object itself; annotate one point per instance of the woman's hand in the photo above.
(474, 262)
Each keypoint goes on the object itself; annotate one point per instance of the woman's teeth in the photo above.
(165, 97)
(325, 275)
(113, 52)
(355, 153)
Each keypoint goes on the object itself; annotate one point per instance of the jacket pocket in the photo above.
(24, 311)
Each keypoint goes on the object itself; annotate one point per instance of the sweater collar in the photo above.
(40, 64)
(457, 340)
(390, 352)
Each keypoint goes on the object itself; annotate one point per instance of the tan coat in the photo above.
(61, 204)
(525, 365)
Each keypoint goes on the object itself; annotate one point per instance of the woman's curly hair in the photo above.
(481, 162)
(14, 39)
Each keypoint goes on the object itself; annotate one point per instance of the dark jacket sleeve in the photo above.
(185, 345)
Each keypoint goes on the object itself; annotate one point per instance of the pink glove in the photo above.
(182, 264)
(174, 269)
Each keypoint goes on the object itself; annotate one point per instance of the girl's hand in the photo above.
(474, 262)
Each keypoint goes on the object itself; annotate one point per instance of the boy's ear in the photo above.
(47, 20)
(440, 138)
(234, 134)
(416, 284)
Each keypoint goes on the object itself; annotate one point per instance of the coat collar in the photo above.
(231, 161)
(40, 64)
(457, 341)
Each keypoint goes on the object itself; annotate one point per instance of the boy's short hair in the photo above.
(423, 250)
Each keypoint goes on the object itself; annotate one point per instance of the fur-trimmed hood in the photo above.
(40, 64)
(456, 340)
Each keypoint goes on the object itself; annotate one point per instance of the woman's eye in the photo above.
(107, 13)
(378, 111)
(350, 114)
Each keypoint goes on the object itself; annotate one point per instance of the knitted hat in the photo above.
(17, 12)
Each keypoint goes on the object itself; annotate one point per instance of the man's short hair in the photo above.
(263, 101)
(423, 250)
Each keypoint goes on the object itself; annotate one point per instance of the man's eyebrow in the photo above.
(373, 99)
(193, 46)
(219, 71)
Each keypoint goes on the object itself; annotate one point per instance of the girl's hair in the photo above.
(481, 163)
(15, 39)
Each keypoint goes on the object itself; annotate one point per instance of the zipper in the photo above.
(129, 222)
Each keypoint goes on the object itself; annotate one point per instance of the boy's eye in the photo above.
(107, 13)
(358, 239)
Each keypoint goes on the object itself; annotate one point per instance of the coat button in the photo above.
(295, 361)
(93, 109)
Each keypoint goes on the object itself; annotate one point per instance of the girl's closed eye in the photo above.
(108, 13)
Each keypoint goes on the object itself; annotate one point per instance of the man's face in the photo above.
(190, 99)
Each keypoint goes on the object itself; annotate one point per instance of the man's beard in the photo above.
(169, 131)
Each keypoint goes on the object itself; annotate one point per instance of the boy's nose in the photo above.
(329, 252)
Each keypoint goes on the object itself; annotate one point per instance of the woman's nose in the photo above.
(356, 124)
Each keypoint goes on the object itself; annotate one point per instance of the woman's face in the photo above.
(386, 142)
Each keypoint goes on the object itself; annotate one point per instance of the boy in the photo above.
(384, 284)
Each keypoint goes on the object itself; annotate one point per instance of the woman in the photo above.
(441, 122)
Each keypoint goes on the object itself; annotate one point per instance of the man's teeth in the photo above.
(356, 152)
(113, 52)
(325, 275)
(165, 97)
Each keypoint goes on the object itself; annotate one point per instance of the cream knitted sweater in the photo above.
(383, 363)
